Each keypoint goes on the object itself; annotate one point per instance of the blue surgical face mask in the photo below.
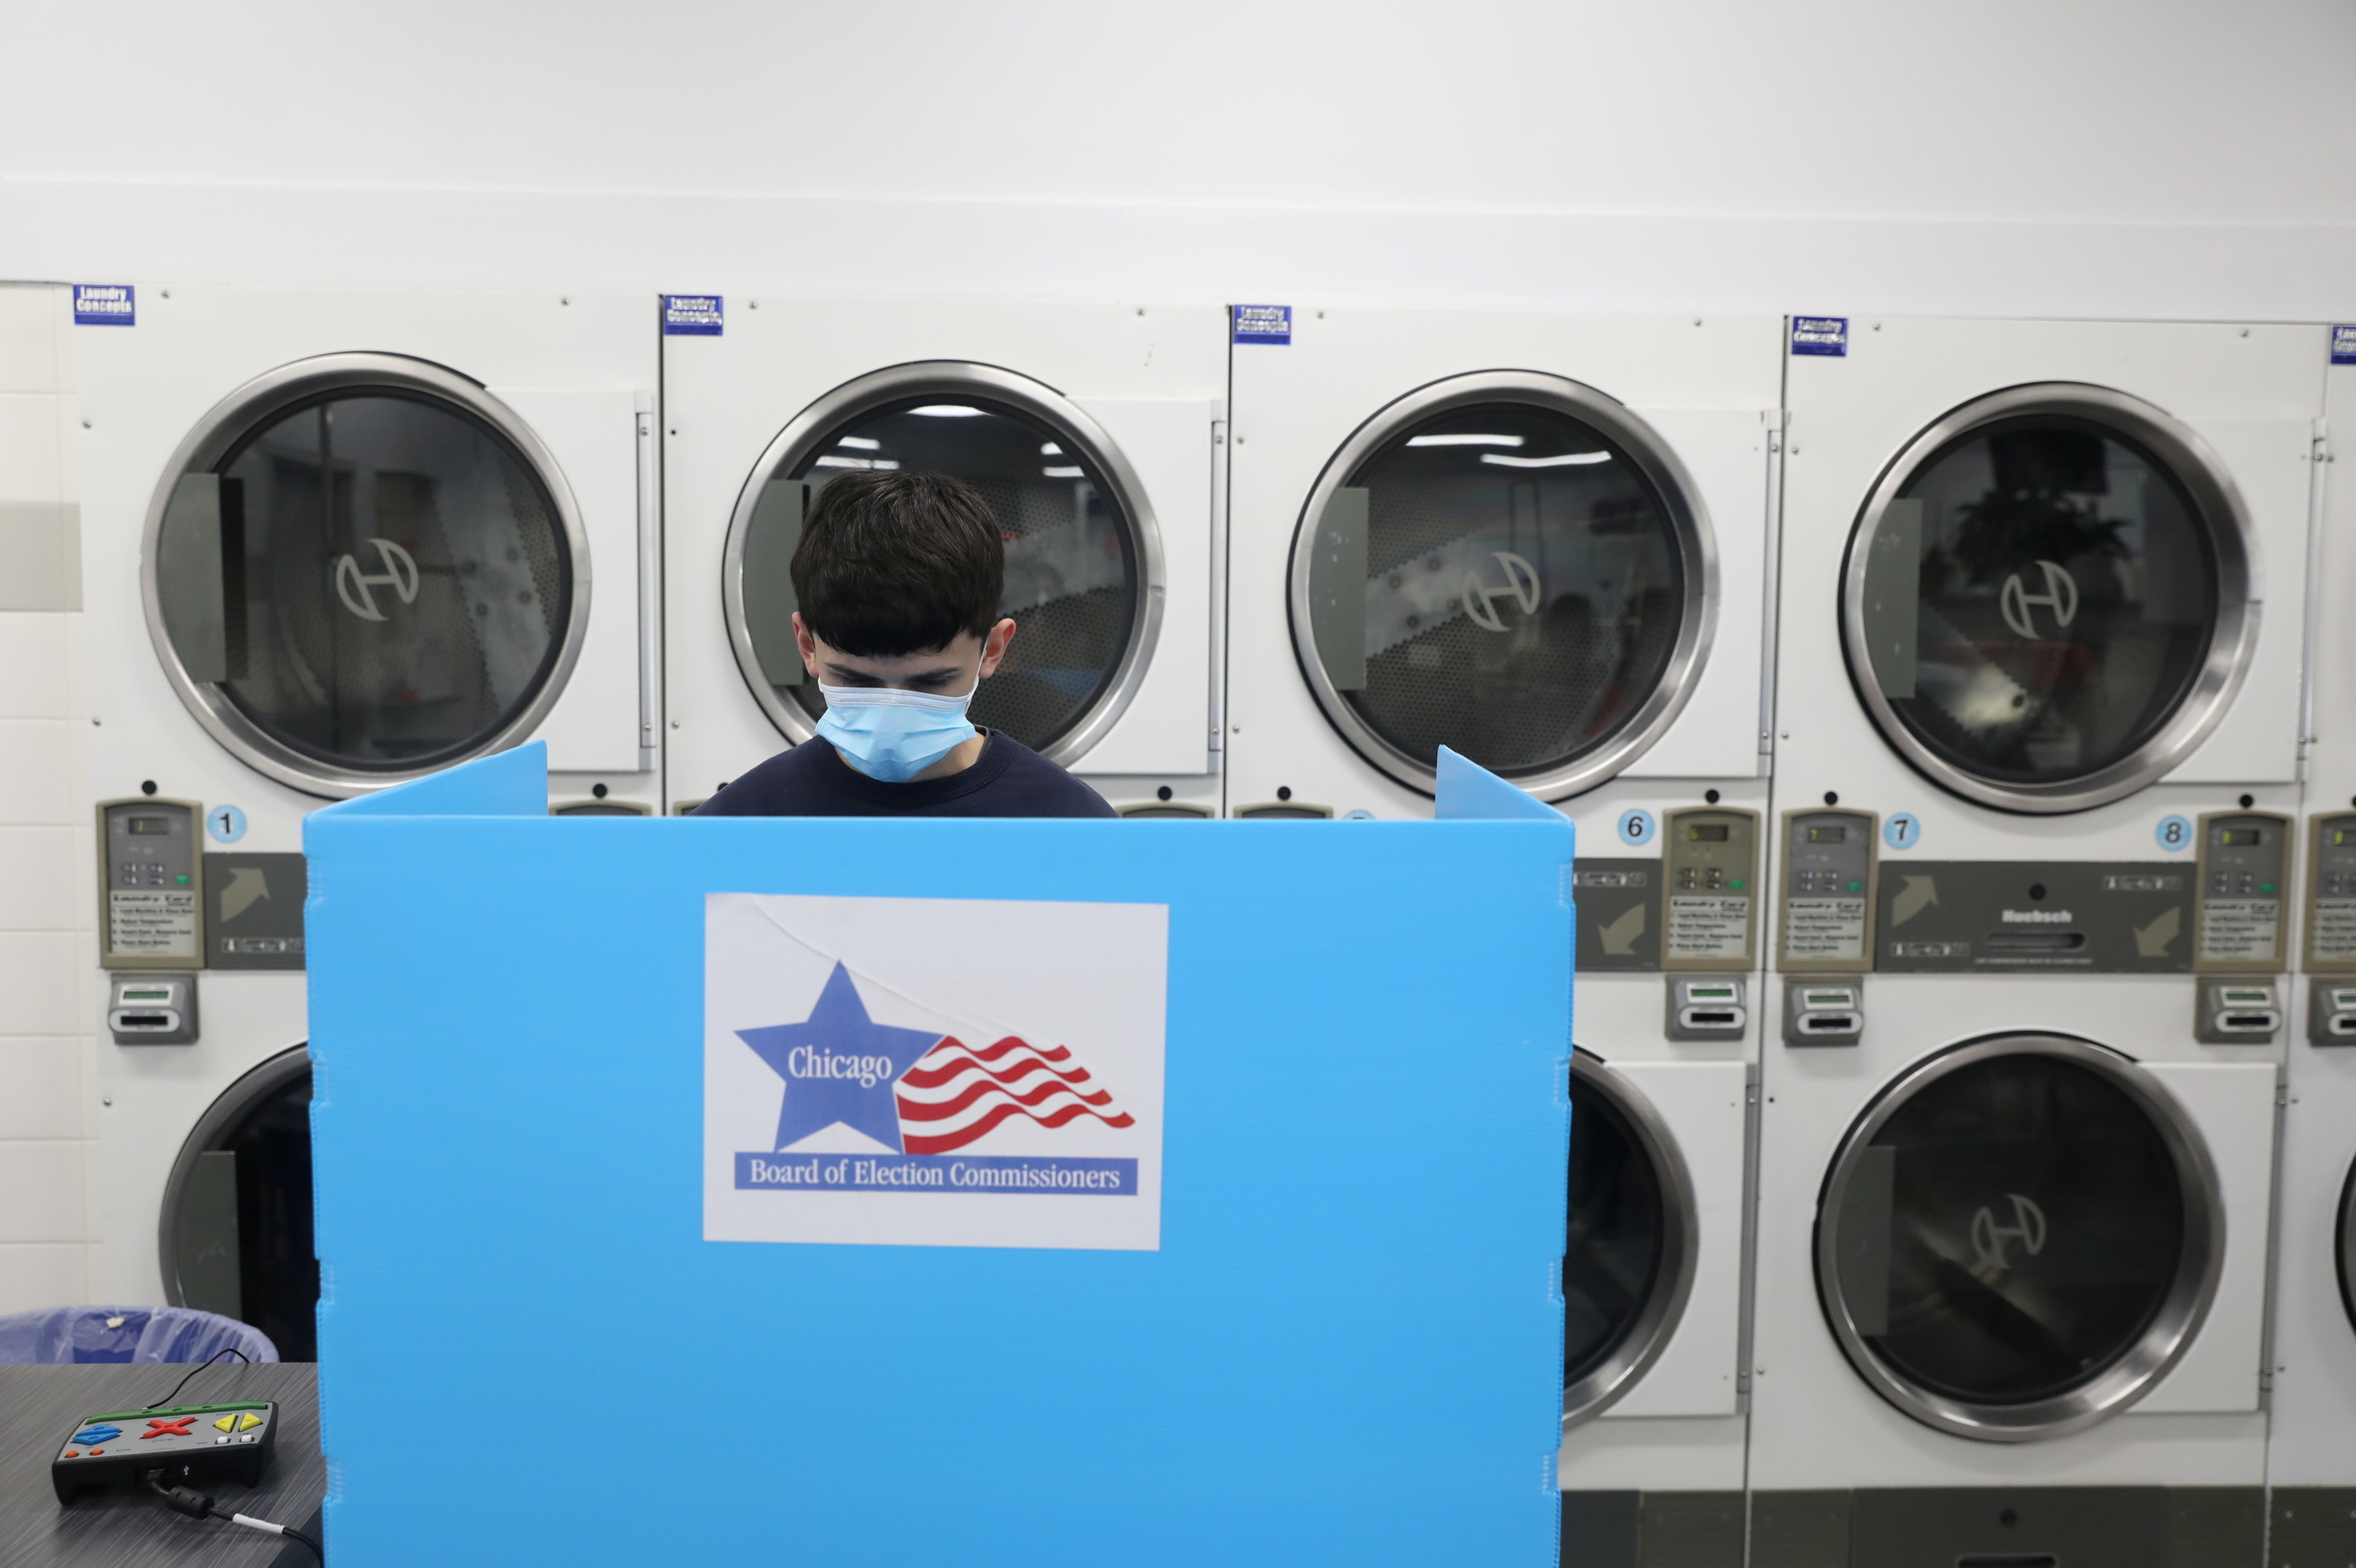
(893, 734)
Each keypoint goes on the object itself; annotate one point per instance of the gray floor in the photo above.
(39, 1406)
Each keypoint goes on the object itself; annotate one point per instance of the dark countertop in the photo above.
(37, 1406)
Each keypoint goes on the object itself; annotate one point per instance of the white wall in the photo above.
(2115, 157)
(48, 1096)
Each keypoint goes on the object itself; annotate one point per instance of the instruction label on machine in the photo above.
(2241, 928)
(2333, 935)
(1823, 928)
(157, 922)
(1708, 927)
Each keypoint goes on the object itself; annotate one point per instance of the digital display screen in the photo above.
(1827, 835)
(1707, 833)
(151, 825)
(2241, 838)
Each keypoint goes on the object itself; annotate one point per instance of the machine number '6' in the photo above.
(1521, 585)
(357, 588)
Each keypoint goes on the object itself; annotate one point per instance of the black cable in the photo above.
(166, 1402)
(196, 1505)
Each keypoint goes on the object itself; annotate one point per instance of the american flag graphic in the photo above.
(956, 1092)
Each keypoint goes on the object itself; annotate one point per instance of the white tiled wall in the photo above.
(48, 1084)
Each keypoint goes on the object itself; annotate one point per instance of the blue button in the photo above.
(98, 1435)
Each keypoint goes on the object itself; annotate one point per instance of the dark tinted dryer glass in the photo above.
(1612, 1252)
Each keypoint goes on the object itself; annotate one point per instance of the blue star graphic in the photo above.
(839, 1066)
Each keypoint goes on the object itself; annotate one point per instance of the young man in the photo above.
(898, 578)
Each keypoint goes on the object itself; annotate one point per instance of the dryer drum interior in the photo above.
(1509, 564)
(1629, 1247)
(2046, 599)
(2019, 1238)
(236, 1231)
(361, 569)
(1082, 576)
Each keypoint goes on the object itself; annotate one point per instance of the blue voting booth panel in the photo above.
(1338, 1341)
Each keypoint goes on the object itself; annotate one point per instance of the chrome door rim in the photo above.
(2195, 465)
(2135, 1370)
(1655, 1322)
(228, 422)
(2343, 1248)
(231, 1107)
(1689, 529)
(953, 378)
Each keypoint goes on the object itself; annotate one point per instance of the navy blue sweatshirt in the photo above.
(812, 780)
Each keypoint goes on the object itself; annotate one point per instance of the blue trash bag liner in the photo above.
(59, 1335)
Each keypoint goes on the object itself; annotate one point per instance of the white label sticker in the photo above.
(1823, 928)
(153, 923)
(2246, 929)
(1708, 927)
(933, 1072)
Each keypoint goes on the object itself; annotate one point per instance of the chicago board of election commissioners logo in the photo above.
(932, 1071)
(915, 1092)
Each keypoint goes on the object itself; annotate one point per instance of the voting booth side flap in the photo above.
(883, 1191)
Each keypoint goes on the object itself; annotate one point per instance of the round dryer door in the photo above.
(2344, 1246)
(1508, 564)
(2019, 1238)
(362, 568)
(236, 1231)
(2046, 605)
(1084, 579)
(1628, 1254)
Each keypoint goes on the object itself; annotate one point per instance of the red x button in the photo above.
(169, 1428)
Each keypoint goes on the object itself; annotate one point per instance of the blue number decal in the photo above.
(1635, 827)
(225, 823)
(2174, 833)
(1901, 831)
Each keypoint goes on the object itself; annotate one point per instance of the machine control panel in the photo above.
(150, 885)
(2332, 894)
(2238, 900)
(1825, 924)
(1709, 866)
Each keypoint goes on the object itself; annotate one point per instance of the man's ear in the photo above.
(806, 644)
(993, 647)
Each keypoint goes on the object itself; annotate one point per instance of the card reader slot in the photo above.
(2033, 941)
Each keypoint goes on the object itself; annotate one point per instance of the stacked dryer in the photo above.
(2038, 747)
(1094, 432)
(1543, 540)
(2311, 1467)
(330, 540)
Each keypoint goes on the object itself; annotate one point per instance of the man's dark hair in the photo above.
(898, 563)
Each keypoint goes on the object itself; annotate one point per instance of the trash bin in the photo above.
(59, 1335)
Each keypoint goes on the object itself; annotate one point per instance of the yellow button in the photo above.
(226, 1423)
(249, 1424)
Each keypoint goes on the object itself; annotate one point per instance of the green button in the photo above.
(2265, 887)
(1853, 887)
(1736, 885)
(182, 880)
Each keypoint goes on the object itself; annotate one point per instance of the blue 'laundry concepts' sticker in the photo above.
(2343, 345)
(105, 305)
(1263, 323)
(692, 316)
(1825, 335)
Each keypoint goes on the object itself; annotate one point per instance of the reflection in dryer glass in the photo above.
(1071, 555)
(2053, 605)
(397, 581)
(2032, 1225)
(1611, 1256)
(1523, 589)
